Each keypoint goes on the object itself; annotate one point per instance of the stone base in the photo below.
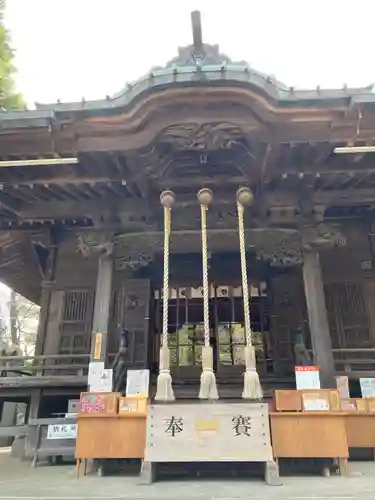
(19, 447)
(148, 473)
(271, 474)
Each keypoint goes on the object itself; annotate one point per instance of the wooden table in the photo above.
(310, 435)
(110, 436)
(360, 430)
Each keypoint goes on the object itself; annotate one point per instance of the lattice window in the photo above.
(75, 325)
(347, 315)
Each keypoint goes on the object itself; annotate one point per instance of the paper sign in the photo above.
(307, 377)
(342, 384)
(95, 370)
(315, 404)
(73, 406)
(137, 382)
(367, 387)
(98, 345)
(62, 431)
(99, 379)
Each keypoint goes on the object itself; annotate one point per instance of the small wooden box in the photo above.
(370, 402)
(316, 400)
(334, 399)
(288, 400)
(361, 405)
(98, 404)
(349, 405)
(132, 405)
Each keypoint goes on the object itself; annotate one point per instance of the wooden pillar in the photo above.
(101, 309)
(318, 320)
(45, 301)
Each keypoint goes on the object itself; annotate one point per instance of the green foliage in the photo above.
(9, 98)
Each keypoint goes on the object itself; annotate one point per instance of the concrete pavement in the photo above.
(19, 481)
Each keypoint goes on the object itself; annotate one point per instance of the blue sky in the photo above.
(68, 49)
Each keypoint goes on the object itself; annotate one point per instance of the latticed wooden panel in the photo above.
(347, 315)
(287, 312)
(132, 310)
(77, 305)
(76, 321)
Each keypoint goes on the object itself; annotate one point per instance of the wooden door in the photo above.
(135, 317)
(287, 312)
(347, 315)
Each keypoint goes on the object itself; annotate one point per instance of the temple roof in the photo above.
(201, 64)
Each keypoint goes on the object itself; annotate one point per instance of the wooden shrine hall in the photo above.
(84, 234)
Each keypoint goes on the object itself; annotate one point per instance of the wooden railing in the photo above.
(351, 361)
(355, 361)
(47, 364)
(38, 365)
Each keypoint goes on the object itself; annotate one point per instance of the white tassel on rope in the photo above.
(208, 389)
(252, 388)
(164, 390)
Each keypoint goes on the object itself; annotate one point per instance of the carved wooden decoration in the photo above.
(133, 261)
(203, 137)
(93, 243)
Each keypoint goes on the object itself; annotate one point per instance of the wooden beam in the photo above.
(9, 203)
(201, 180)
(44, 381)
(63, 180)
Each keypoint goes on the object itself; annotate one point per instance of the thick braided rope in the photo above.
(167, 232)
(205, 276)
(245, 288)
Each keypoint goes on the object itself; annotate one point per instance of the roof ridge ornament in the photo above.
(196, 26)
(198, 51)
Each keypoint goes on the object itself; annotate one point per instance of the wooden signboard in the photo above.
(104, 403)
(315, 400)
(321, 400)
(288, 400)
(132, 405)
(220, 432)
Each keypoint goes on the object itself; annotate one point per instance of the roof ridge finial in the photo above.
(196, 25)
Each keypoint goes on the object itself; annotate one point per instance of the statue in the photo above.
(119, 363)
(301, 354)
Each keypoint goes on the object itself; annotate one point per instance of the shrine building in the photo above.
(82, 228)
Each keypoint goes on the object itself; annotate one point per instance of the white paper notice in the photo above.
(342, 384)
(317, 404)
(307, 377)
(62, 431)
(95, 370)
(137, 382)
(99, 378)
(106, 382)
(367, 387)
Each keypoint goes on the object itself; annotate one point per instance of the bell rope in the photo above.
(252, 388)
(164, 390)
